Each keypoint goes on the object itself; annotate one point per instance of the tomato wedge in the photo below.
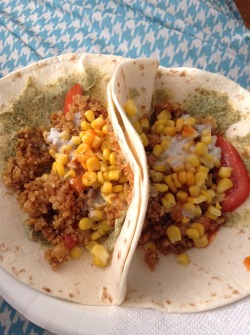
(76, 89)
(241, 183)
(69, 242)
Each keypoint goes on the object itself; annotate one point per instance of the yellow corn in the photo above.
(97, 142)
(176, 163)
(207, 139)
(85, 125)
(161, 187)
(198, 226)
(88, 137)
(115, 175)
(193, 233)
(101, 231)
(95, 236)
(207, 195)
(106, 154)
(168, 202)
(90, 245)
(52, 152)
(138, 127)
(194, 190)
(200, 178)
(206, 132)
(176, 180)
(157, 177)
(89, 114)
(76, 140)
(130, 108)
(112, 158)
(107, 187)
(100, 252)
(193, 160)
(201, 242)
(103, 167)
(160, 129)
(189, 208)
(157, 150)
(181, 196)
(59, 168)
(225, 172)
(61, 158)
(197, 200)
(179, 125)
(171, 131)
(182, 176)
(164, 115)
(105, 129)
(165, 144)
(214, 211)
(96, 215)
(168, 180)
(66, 149)
(109, 198)
(208, 161)
(159, 167)
(183, 259)
(75, 252)
(117, 188)
(45, 176)
(224, 185)
(65, 135)
(106, 176)
(85, 223)
(97, 262)
(190, 178)
(173, 233)
(89, 178)
(144, 124)
(105, 225)
(93, 164)
(144, 139)
(201, 149)
(189, 121)
(98, 123)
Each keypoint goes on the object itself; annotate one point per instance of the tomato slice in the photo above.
(76, 184)
(69, 242)
(76, 89)
(241, 183)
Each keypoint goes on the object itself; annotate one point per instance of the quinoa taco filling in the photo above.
(196, 177)
(72, 180)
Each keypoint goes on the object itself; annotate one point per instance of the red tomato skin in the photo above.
(69, 242)
(76, 89)
(241, 182)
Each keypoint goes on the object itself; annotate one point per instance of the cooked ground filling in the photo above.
(72, 180)
(187, 181)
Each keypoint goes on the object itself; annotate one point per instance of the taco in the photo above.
(183, 126)
(70, 189)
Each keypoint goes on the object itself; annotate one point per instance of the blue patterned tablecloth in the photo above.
(207, 34)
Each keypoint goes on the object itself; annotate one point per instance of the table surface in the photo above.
(209, 35)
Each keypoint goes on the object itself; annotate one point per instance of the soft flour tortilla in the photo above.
(76, 280)
(216, 275)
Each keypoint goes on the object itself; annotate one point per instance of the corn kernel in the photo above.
(164, 115)
(189, 208)
(157, 177)
(179, 125)
(208, 161)
(130, 108)
(193, 160)
(89, 114)
(168, 180)
(157, 150)
(97, 142)
(59, 168)
(106, 154)
(201, 149)
(101, 231)
(224, 185)
(88, 137)
(105, 129)
(159, 167)
(173, 233)
(176, 180)
(207, 195)
(85, 125)
(61, 158)
(197, 200)
(112, 158)
(171, 131)
(160, 129)
(101, 253)
(65, 135)
(85, 223)
(144, 139)
(93, 164)
(95, 236)
(182, 176)
(190, 178)
(206, 132)
(117, 188)
(76, 140)
(161, 187)
(200, 178)
(109, 198)
(225, 172)
(183, 259)
(201, 242)
(181, 196)
(115, 175)
(193, 233)
(89, 246)
(96, 215)
(105, 226)
(75, 252)
(45, 176)
(98, 123)
(82, 148)
(165, 144)
(107, 187)
(138, 127)
(168, 202)
(198, 226)
(189, 132)
(194, 190)
(89, 178)
(206, 139)
(97, 262)
(66, 149)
